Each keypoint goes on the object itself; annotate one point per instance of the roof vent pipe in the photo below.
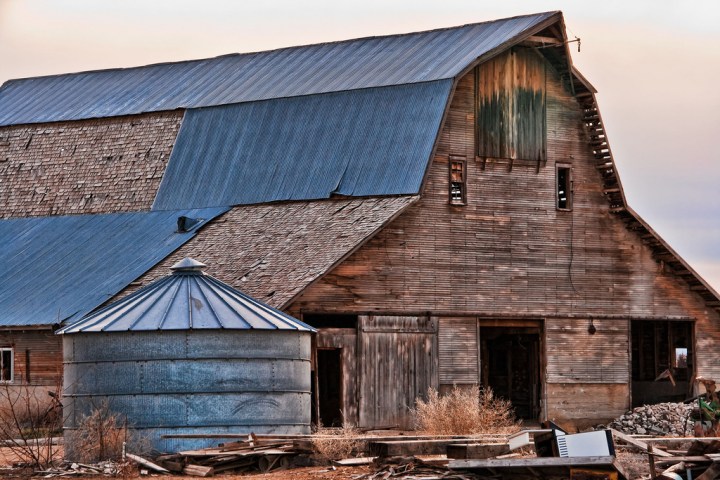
(185, 224)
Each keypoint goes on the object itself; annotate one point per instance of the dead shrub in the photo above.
(464, 411)
(336, 443)
(100, 436)
(29, 418)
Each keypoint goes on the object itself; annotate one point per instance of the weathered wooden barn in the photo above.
(443, 206)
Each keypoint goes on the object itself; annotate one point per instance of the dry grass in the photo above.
(100, 436)
(464, 411)
(336, 443)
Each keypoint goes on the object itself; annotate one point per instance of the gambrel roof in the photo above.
(287, 72)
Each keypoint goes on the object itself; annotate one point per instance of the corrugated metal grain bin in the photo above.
(189, 355)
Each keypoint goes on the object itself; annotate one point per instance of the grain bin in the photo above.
(189, 355)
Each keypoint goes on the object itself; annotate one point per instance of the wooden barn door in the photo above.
(397, 364)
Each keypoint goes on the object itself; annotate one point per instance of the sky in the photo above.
(655, 64)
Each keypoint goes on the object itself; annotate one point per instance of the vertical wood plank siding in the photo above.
(397, 363)
(511, 106)
(510, 253)
(458, 351)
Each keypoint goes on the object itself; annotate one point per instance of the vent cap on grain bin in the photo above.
(188, 299)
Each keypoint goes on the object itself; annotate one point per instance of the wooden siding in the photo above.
(40, 350)
(397, 363)
(576, 356)
(585, 405)
(345, 339)
(458, 361)
(510, 254)
(511, 106)
(89, 166)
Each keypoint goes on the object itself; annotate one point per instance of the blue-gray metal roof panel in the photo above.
(360, 143)
(328, 67)
(186, 300)
(63, 267)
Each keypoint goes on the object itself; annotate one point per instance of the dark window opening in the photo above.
(564, 188)
(321, 320)
(329, 375)
(458, 182)
(6, 364)
(662, 361)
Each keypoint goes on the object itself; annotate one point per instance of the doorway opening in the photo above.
(329, 378)
(662, 361)
(511, 367)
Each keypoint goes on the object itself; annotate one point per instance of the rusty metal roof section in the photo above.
(60, 268)
(306, 148)
(188, 299)
(280, 249)
(287, 72)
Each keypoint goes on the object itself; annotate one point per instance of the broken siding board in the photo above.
(458, 361)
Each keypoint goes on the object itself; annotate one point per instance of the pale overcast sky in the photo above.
(655, 63)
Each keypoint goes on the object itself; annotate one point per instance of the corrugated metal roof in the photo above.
(61, 268)
(187, 299)
(329, 67)
(365, 142)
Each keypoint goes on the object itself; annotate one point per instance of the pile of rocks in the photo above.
(660, 419)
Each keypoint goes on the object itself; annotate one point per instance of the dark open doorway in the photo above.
(662, 361)
(511, 367)
(329, 376)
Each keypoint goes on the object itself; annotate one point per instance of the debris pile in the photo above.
(411, 468)
(67, 469)
(661, 419)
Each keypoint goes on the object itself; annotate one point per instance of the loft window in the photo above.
(6, 364)
(511, 106)
(458, 181)
(563, 187)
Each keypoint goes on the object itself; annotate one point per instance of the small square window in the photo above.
(563, 198)
(6, 365)
(458, 182)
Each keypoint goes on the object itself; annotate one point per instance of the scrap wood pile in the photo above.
(660, 419)
(67, 469)
(265, 454)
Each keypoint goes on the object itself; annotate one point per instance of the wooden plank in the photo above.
(639, 444)
(411, 447)
(476, 450)
(146, 463)
(533, 462)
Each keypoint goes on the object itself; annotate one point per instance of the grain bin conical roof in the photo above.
(188, 299)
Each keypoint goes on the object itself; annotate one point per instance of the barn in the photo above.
(443, 206)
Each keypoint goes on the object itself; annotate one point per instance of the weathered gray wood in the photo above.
(533, 462)
(470, 451)
(146, 463)
(198, 471)
(410, 447)
(639, 444)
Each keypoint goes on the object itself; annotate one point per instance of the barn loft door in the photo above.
(397, 363)
(511, 367)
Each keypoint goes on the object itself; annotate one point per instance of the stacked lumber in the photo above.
(265, 454)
